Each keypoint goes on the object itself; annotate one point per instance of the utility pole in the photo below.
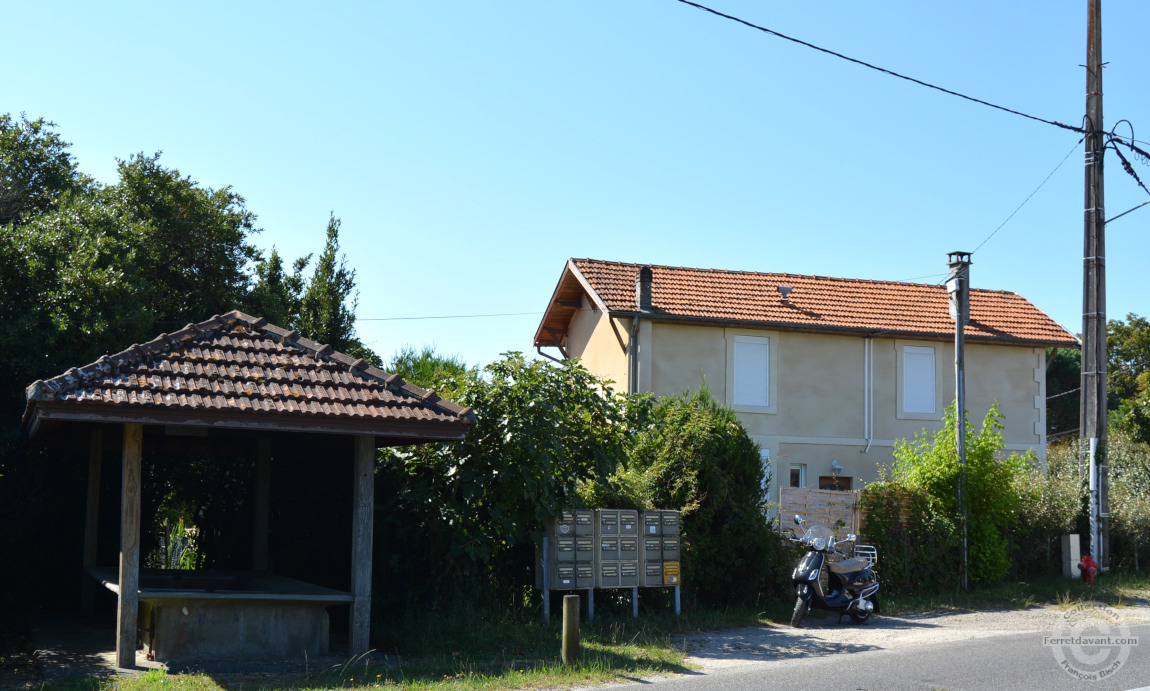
(1092, 411)
(958, 288)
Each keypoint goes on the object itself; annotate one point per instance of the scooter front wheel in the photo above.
(801, 607)
(861, 617)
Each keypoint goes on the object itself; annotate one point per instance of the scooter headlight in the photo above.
(819, 544)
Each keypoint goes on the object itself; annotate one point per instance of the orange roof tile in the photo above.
(237, 370)
(816, 303)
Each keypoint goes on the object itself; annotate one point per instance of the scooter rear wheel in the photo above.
(801, 607)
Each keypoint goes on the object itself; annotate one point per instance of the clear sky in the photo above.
(470, 148)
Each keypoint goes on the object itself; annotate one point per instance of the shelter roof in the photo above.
(814, 303)
(238, 371)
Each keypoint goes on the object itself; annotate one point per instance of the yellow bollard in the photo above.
(570, 629)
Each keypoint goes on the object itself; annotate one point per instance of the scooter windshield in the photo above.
(820, 537)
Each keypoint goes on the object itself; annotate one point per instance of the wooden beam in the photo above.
(92, 518)
(261, 502)
(363, 518)
(129, 581)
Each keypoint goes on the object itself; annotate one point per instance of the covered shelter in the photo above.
(234, 382)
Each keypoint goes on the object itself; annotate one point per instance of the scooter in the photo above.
(847, 586)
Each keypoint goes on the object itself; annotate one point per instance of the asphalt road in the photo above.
(1008, 662)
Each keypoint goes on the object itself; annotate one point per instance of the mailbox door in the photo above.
(652, 522)
(608, 575)
(584, 576)
(670, 573)
(628, 522)
(628, 574)
(653, 574)
(670, 522)
(652, 549)
(608, 522)
(564, 577)
(584, 548)
(629, 549)
(671, 548)
(565, 549)
(609, 549)
(584, 522)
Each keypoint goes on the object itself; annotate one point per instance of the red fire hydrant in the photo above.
(1089, 569)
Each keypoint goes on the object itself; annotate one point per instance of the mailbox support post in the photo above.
(590, 605)
(678, 609)
(546, 583)
(635, 602)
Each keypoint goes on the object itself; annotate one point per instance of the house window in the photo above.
(798, 474)
(835, 482)
(918, 391)
(752, 371)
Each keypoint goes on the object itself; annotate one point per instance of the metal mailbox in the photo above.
(670, 522)
(609, 549)
(652, 574)
(584, 522)
(584, 548)
(564, 578)
(629, 549)
(652, 522)
(628, 574)
(652, 549)
(608, 575)
(670, 548)
(584, 576)
(628, 522)
(565, 549)
(607, 523)
(670, 573)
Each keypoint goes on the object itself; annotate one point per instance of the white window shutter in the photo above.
(752, 371)
(918, 395)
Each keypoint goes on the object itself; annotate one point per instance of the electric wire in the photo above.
(1040, 185)
(881, 69)
(446, 316)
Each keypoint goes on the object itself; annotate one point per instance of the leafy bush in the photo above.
(996, 488)
(918, 545)
(694, 455)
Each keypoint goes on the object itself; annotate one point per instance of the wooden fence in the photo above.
(835, 509)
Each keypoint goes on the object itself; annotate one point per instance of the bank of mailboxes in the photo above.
(613, 548)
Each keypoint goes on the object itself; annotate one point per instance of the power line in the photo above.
(445, 316)
(880, 69)
(1028, 198)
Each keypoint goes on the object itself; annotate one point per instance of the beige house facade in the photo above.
(824, 373)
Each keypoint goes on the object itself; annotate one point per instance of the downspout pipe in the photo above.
(868, 375)
(539, 349)
(633, 357)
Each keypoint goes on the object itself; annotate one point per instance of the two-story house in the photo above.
(825, 373)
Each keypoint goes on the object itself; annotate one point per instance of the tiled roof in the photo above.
(236, 370)
(815, 303)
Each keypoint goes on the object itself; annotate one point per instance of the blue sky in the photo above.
(471, 148)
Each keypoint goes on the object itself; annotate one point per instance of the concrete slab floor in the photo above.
(78, 647)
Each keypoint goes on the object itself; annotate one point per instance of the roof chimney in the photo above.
(785, 291)
(643, 289)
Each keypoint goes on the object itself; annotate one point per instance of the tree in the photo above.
(276, 295)
(36, 169)
(428, 368)
(1128, 350)
(327, 311)
(191, 251)
(1063, 382)
(464, 516)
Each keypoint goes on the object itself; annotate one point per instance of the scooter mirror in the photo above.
(852, 537)
(798, 519)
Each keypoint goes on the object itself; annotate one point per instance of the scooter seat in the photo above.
(849, 565)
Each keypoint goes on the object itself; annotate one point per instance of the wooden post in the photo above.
(261, 501)
(363, 509)
(129, 581)
(92, 519)
(570, 629)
